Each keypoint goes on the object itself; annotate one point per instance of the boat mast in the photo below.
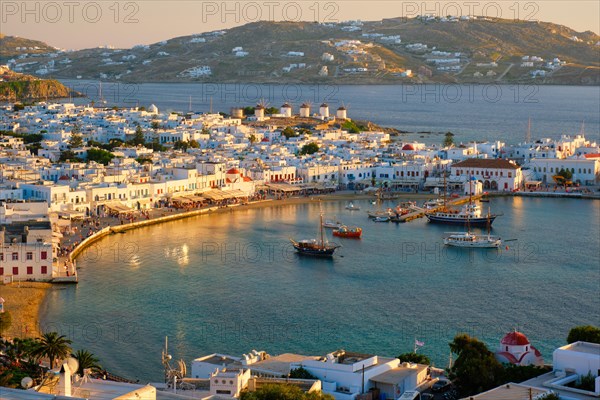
(321, 226)
(469, 208)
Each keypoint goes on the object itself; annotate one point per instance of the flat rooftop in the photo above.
(512, 391)
(583, 347)
(280, 364)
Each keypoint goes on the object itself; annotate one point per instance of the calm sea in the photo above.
(230, 283)
(471, 112)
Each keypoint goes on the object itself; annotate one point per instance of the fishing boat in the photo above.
(433, 204)
(352, 207)
(344, 231)
(471, 240)
(378, 212)
(470, 212)
(332, 224)
(382, 219)
(315, 247)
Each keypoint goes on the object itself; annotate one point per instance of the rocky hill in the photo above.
(480, 50)
(20, 87)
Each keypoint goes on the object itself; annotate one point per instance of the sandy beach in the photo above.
(24, 300)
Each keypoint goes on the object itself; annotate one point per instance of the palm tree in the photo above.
(86, 360)
(53, 346)
(19, 349)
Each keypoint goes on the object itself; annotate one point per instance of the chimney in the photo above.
(64, 380)
(25, 234)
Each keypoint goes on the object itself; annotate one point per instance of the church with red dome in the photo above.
(516, 349)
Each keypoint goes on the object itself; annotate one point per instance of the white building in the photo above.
(494, 174)
(345, 375)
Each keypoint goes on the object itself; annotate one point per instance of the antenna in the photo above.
(528, 137)
(210, 110)
(190, 105)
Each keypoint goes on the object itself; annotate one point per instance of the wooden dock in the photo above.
(420, 212)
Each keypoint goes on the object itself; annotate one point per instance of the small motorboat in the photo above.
(332, 224)
(352, 207)
(381, 219)
(344, 231)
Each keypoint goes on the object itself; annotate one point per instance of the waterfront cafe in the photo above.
(222, 197)
(117, 208)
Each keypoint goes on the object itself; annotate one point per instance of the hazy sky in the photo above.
(73, 24)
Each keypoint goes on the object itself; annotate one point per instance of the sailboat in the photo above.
(316, 247)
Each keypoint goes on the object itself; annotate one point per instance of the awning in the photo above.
(216, 195)
(118, 207)
(71, 214)
(283, 187)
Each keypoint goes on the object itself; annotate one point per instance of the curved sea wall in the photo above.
(109, 230)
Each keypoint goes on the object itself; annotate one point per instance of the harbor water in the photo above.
(231, 283)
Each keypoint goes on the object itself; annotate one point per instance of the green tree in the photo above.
(53, 346)
(301, 373)
(350, 126)
(248, 110)
(86, 361)
(154, 145)
(271, 110)
(565, 173)
(309, 148)
(19, 349)
(282, 392)
(181, 145)
(475, 369)
(68, 155)
(138, 137)
(448, 139)
(586, 333)
(288, 132)
(414, 358)
(144, 160)
(155, 125)
(194, 144)
(75, 141)
(252, 139)
(100, 156)
(521, 373)
(5, 321)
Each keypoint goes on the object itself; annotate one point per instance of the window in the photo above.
(1, 270)
(44, 255)
(29, 255)
(1, 256)
(15, 270)
(29, 270)
(15, 256)
(44, 269)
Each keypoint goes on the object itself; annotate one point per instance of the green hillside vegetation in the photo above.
(503, 41)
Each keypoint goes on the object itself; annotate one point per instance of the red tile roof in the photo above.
(515, 339)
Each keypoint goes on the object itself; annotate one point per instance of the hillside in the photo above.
(13, 47)
(479, 50)
(20, 87)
